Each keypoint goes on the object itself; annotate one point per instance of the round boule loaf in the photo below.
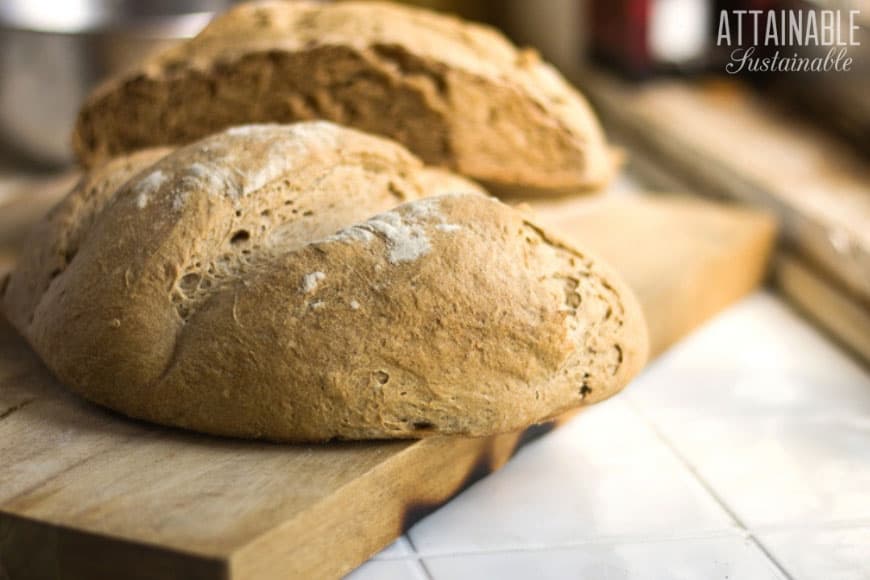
(457, 94)
(300, 283)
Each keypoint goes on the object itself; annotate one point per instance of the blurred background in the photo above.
(746, 442)
(794, 143)
(53, 53)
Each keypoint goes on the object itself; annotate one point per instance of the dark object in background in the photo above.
(837, 100)
(646, 38)
(641, 38)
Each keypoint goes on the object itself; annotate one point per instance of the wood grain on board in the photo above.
(98, 496)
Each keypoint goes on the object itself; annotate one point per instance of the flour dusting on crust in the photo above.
(218, 174)
(310, 282)
(403, 229)
(406, 239)
(147, 186)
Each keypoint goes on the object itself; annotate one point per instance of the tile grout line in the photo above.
(752, 534)
(418, 557)
(859, 523)
(711, 534)
(609, 541)
(707, 487)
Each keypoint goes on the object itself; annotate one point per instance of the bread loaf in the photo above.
(458, 95)
(293, 283)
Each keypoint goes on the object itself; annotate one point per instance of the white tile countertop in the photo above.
(743, 452)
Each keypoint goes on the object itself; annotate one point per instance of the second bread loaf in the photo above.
(457, 94)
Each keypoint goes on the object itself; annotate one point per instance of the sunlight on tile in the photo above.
(836, 554)
(603, 474)
(720, 558)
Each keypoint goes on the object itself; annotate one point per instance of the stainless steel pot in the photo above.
(53, 52)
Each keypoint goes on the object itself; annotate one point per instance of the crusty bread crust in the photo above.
(293, 283)
(457, 94)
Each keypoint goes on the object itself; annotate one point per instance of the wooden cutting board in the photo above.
(85, 493)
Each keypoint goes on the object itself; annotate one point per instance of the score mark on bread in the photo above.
(311, 282)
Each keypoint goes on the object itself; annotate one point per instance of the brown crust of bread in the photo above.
(456, 94)
(293, 283)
